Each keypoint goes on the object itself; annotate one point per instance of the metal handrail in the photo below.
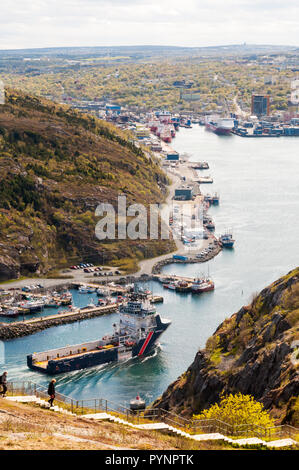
(202, 425)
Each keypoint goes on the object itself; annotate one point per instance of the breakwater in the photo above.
(29, 327)
(160, 264)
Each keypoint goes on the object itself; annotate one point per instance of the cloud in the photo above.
(45, 23)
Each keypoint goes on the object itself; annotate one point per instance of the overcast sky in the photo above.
(49, 23)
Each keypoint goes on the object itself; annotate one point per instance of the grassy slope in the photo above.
(26, 427)
(56, 165)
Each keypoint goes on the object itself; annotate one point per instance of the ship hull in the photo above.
(101, 357)
(227, 244)
(199, 290)
(218, 129)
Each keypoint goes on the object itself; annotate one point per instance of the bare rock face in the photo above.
(252, 353)
(9, 267)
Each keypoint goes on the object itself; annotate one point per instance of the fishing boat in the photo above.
(11, 312)
(86, 290)
(171, 286)
(226, 240)
(51, 303)
(32, 305)
(103, 291)
(135, 335)
(202, 285)
(183, 286)
(210, 225)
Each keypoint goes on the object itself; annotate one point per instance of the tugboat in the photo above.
(136, 335)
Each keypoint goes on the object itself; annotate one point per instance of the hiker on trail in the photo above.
(4, 384)
(51, 391)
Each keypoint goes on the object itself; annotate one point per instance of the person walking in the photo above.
(4, 384)
(51, 392)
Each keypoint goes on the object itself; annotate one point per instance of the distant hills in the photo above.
(149, 50)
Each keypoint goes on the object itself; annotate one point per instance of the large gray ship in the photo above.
(136, 335)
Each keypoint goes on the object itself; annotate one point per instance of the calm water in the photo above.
(259, 189)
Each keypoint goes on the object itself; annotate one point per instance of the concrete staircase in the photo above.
(42, 403)
(249, 441)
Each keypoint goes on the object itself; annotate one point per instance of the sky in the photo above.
(52, 23)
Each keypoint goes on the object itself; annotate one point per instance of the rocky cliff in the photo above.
(254, 352)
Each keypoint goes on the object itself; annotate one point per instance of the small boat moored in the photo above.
(227, 240)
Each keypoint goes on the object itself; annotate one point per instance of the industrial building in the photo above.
(184, 193)
(260, 105)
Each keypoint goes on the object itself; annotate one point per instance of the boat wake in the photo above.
(104, 372)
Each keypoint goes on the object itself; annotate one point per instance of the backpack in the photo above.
(1, 379)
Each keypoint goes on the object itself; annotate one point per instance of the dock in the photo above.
(112, 289)
(98, 310)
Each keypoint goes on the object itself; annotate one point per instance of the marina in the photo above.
(257, 181)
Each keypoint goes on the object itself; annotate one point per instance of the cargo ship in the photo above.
(136, 335)
(220, 126)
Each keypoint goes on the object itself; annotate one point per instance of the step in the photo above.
(207, 437)
(282, 443)
(99, 416)
(249, 441)
(152, 426)
(23, 399)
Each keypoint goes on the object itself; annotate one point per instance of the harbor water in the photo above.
(258, 183)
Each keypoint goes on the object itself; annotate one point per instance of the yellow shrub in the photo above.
(238, 409)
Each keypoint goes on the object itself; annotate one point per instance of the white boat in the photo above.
(11, 312)
(33, 305)
(171, 286)
(90, 306)
(86, 290)
(104, 291)
(83, 290)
